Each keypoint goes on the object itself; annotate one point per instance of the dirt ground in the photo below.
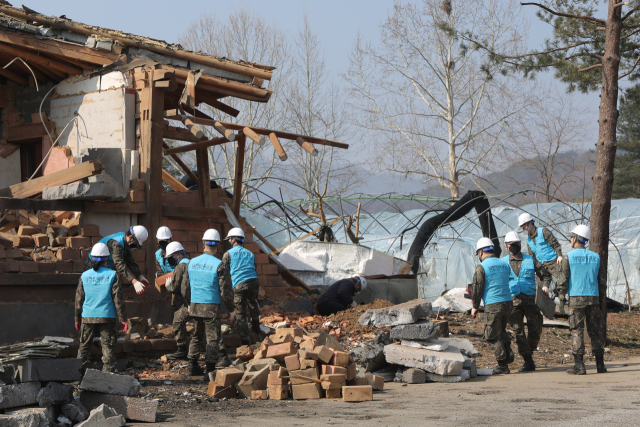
(548, 396)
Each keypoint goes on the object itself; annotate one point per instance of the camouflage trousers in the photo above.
(526, 342)
(591, 315)
(108, 336)
(207, 329)
(496, 317)
(180, 317)
(556, 273)
(245, 295)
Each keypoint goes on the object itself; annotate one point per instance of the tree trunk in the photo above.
(606, 146)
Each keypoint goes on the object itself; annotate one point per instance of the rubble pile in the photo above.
(48, 242)
(30, 350)
(293, 364)
(39, 392)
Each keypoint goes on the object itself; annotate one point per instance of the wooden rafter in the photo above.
(35, 57)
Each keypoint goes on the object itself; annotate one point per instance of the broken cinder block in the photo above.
(306, 391)
(108, 383)
(15, 395)
(358, 393)
(131, 408)
(447, 362)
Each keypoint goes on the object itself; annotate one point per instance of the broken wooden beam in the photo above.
(237, 179)
(211, 101)
(193, 128)
(62, 177)
(307, 146)
(253, 136)
(180, 163)
(278, 146)
(182, 136)
(15, 77)
(204, 178)
(311, 233)
(196, 146)
(224, 131)
(173, 182)
(29, 132)
(40, 60)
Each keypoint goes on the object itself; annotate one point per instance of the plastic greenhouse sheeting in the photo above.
(449, 259)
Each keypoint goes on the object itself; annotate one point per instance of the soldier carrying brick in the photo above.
(163, 235)
(176, 258)
(99, 304)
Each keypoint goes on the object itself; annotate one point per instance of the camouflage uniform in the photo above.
(125, 265)
(585, 309)
(245, 295)
(525, 306)
(552, 266)
(496, 317)
(159, 270)
(207, 319)
(179, 306)
(106, 327)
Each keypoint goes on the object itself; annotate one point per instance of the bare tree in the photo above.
(244, 36)
(542, 153)
(314, 107)
(434, 106)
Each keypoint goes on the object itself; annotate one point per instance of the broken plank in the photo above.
(173, 182)
(29, 132)
(196, 146)
(41, 60)
(182, 136)
(211, 101)
(62, 177)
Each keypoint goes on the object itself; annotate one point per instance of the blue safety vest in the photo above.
(163, 262)
(583, 266)
(204, 280)
(496, 281)
(98, 301)
(541, 248)
(525, 282)
(118, 237)
(243, 265)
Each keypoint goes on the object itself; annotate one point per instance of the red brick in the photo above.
(128, 346)
(23, 241)
(195, 236)
(280, 351)
(84, 253)
(78, 265)
(274, 281)
(79, 242)
(136, 196)
(64, 266)
(139, 255)
(46, 267)
(68, 254)
(142, 345)
(333, 370)
(190, 247)
(175, 225)
(40, 240)
(180, 236)
(280, 293)
(11, 266)
(28, 267)
(262, 258)
(95, 240)
(90, 230)
(199, 225)
(164, 222)
(163, 345)
(200, 247)
(253, 247)
(269, 268)
(137, 184)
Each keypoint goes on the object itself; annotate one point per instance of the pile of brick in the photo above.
(46, 242)
(293, 364)
(37, 392)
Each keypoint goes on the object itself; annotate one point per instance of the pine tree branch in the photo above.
(566, 15)
(628, 14)
(635, 64)
(590, 68)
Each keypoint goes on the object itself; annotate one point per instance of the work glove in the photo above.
(77, 326)
(125, 326)
(168, 282)
(139, 287)
(559, 260)
(474, 312)
(545, 290)
(144, 281)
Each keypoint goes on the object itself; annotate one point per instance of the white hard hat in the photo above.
(524, 218)
(483, 243)
(582, 231)
(163, 233)
(363, 282)
(211, 235)
(140, 233)
(99, 250)
(172, 248)
(235, 232)
(511, 237)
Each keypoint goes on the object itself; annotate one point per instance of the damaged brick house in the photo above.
(84, 117)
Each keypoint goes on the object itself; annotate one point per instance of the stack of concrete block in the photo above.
(291, 364)
(33, 392)
(118, 392)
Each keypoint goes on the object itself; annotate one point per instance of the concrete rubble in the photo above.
(28, 417)
(103, 416)
(131, 408)
(75, 410)
(108, 383)
(15, 395)
(401, 314)
(55, 394)
(447, 362)
(419, 331)
(45, 370)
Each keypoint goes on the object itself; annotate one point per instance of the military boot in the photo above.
(501, 368)
(529, 364)
(181, 354)
(510, 356)
(578, 368)
(224, 361)
(194, 368)
(601, 369)
(255, 326)
(210, 367)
